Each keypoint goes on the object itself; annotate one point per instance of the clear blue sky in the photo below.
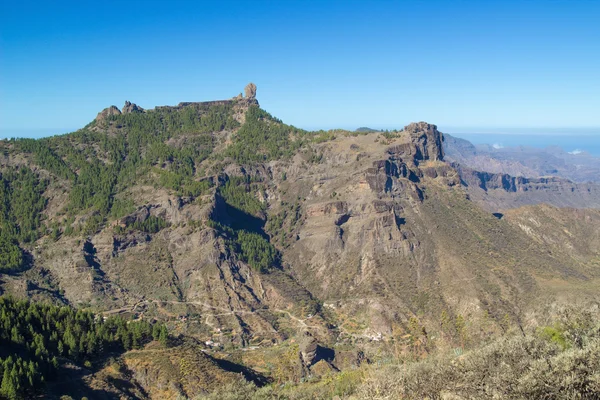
(466, 65)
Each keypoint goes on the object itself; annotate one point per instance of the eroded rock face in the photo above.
(308, 350)
(497, 191)
(426, 142)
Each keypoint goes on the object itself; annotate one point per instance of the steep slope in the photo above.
(388, 234)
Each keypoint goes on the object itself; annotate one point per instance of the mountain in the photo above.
(365, 129)
(279, 252)
(524, 161)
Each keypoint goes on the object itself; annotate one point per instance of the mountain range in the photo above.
(282, 253)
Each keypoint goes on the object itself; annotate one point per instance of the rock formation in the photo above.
(250, 90)
(428, 140)
(131, 107)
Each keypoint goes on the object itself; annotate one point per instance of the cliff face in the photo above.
(524, 161)
(496, 192)
(426, 140)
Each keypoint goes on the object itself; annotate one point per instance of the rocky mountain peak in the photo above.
(424, 144)
(131, 107)
(250, 91)
(427, 140)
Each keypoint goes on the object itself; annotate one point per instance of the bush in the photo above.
(561, 362)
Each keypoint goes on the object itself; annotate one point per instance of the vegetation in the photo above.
(251, 247)
(281, 225)
(21, 205)
(237, 192)
(99, 164)
(264, 138)
(45, 156)
(246, 239)
(529, 366)
(11, 256)
(256, 250)
(167, 122)
(563, 365)
(170, 148)
(36, 338)
(151, 224)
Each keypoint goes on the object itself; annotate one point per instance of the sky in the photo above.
(472, 66)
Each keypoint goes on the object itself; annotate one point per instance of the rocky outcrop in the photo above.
(390, 175)
(108, 112)
(250, 90)
(131, 108)
(311, 352)
(425, 143)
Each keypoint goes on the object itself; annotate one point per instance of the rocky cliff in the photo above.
(496, 192)
(523, 161)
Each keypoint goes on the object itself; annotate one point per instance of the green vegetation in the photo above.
(21, 205)
(45, 156)
(36, 338)
(256, 250)
(121, 208)
(264, 138)
(169, 121)
(182, 184)
(100, 164)
(11, 256)
(151, 224)
(281, 225)
(246, 239)
(106, 157)
(238, 193)
(516, 366)
(251, 247)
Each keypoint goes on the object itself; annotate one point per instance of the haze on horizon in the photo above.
(472, 66)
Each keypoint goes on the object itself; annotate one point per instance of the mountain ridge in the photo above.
(241, 231)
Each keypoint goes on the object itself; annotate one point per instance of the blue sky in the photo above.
(464, 65)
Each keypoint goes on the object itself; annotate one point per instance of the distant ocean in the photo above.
(571, 143)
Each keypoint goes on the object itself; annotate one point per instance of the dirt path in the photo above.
(221, 311)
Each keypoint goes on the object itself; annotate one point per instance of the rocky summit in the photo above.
(276, 252)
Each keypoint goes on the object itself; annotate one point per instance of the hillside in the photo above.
(283, 252)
